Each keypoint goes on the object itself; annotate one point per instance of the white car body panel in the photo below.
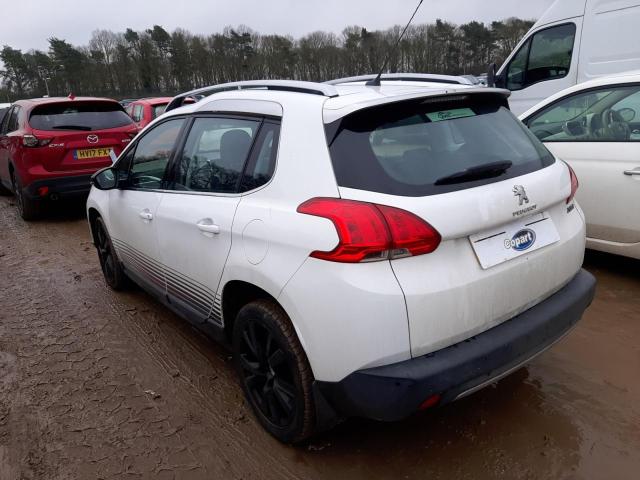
(605, 44)
(193, 255)
(449, 296)
(350, 316)
(607, 196)
(134, 237)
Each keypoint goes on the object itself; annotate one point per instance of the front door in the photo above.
(133, 206)
(597, 132)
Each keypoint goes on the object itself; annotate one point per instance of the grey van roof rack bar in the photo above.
(407, 77)
(312, 88)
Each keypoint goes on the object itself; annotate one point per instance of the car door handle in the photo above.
(632, 172)
(146, 215)
(207, 226)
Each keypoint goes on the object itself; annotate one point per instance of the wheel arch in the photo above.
(238, 293)
(92, 215)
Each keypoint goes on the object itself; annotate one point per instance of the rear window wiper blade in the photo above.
(487, 170)
(72, 127)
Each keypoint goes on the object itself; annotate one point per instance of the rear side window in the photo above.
(215, 154)
(137, 113)
(3, 111)
(158, 110)
(10, 122)
(84, 116)
(261, 165)
(424, 148)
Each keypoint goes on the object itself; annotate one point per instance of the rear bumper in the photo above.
(393, 392)
(76, 185)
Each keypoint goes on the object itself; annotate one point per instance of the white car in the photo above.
(595, 128)
(365, 250)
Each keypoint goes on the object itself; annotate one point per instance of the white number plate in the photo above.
(525, 235)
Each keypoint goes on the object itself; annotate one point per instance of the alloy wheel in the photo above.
(268, 374)
(105, 253)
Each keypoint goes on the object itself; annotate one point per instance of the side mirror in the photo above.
(627, 114)
(105, 179)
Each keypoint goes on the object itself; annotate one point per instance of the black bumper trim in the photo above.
(393, 392)
(62, 186)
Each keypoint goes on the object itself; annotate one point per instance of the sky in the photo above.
(27, 24)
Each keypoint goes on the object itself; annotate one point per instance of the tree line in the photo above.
(154, 61)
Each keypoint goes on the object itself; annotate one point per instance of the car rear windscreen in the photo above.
(428, 147)
(86, 116)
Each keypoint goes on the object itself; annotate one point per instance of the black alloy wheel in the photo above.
(111, 268)
(274, 371)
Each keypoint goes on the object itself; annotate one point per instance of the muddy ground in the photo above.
(96, 384)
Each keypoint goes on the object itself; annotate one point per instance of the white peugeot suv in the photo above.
(365, 250)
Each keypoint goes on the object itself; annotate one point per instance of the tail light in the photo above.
(574, 184)
(368, 232)
(33, 141)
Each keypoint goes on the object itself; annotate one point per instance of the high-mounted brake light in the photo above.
(574, 184)
(368, 232)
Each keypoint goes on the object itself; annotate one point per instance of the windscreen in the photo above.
(84, 116)
(421, 148)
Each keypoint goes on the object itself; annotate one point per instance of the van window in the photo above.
(545, 56)
(609, 114)
(417, 149)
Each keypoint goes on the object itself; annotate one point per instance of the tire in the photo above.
(28, 208)
(4, 191)
(111, 268)
(274, 371)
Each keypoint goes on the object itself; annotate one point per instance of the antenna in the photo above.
(376, 81)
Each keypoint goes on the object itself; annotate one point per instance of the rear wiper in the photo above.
(487, 170)
(72, 127)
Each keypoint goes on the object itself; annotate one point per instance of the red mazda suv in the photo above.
(50, 147)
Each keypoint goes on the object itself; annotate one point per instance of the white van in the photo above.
(574, 41)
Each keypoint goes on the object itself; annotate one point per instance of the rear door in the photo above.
(133, 206)
(10, 142)
(194, 221)
(80, 135)
(493, 192)
(598, 133)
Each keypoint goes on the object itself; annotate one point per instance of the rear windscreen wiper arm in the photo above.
(488, 170)
(72, 127)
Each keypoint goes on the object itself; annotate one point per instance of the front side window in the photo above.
(215, 154)
(152, 154)
(545, 56)
(606, 115)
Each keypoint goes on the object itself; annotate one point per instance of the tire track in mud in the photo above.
(212, 414)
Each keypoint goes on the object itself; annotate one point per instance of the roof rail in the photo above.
(407, 77)
(281, 85)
